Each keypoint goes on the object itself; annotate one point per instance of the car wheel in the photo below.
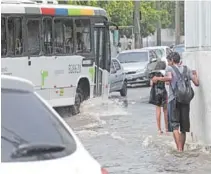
(78, 101)
(123, 91)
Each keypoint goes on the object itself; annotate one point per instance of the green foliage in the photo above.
(87, 3)
(121, 13)
(151, 16)
(169, 6)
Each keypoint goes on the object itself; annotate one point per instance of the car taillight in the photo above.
(104, 171)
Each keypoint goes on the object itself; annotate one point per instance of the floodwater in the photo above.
(121, 134)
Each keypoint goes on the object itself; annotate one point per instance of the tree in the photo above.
(150, 16)
(87, 3)
(121, 13)
(169, 6)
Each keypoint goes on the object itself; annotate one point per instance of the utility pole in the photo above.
(177, 23)
(158, 25)
(136, 21)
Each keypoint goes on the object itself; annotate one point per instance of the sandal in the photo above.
(167, 132)
(160, 132)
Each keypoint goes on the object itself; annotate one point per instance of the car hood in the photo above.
(134, 66)
(77, 163)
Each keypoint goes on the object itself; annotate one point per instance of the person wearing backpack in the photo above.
(180, 95)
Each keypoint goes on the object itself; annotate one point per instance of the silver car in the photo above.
(117, 79)
(138, 64)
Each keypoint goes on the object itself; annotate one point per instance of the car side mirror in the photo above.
(153, 60)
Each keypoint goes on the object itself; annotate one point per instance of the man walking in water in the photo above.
(179, 112)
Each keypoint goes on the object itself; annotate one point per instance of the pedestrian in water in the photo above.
(160, 96)
(169, 108)
(180, 96)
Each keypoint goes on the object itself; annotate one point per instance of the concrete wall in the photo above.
(198, 56)
(200, 113)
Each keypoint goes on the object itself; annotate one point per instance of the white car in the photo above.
(161, 51)
(34, 138)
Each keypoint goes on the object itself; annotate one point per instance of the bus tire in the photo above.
(78, 101)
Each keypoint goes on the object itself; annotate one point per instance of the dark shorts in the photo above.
(161, 99)
(169, 107)
(178, 115)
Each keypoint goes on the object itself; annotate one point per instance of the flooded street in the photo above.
(121, 134)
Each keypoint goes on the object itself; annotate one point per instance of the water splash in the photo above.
(90, 133)
(97, 108)
(115, 136)
(147, 141)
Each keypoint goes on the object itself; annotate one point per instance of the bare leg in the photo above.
(176, 135)
(158, 116)
(165, 112)
(182, 140)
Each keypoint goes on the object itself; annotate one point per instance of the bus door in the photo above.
(100, 56)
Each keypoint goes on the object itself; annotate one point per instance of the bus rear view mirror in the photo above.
(116, 36)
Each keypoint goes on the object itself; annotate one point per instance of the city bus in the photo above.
(63, 49)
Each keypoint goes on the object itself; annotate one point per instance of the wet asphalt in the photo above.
(121, 134)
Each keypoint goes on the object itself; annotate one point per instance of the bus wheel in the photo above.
(78, 101)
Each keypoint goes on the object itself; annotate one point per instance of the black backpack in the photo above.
(183, 91)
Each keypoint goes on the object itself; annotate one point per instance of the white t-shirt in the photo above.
(167, 88)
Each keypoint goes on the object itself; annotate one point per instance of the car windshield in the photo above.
(26, 120)
(179, 49)
(133, 57)
(159, 52)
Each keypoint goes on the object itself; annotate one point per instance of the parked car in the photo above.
(179, 48)
(137, 64)
(118, 81)
(35, 137)
(161, 51)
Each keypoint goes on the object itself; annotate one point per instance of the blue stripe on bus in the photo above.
(61, 11)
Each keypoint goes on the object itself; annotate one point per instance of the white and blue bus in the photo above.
(63, 49)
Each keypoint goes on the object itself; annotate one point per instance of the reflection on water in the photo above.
(121, 134)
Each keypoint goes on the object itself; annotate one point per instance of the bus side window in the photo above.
(15, 40)
(47, 36)
(3, 37)
(33, 26)
(63, 36)
(83, 44)
(68, 35)
(58, 36)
